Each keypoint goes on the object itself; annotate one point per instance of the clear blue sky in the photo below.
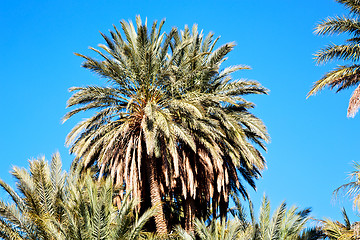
(313, 142)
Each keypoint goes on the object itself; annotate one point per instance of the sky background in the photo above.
(313, 143)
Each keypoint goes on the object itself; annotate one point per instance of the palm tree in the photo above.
(335, 230)
(36, 207)
(50, 204)
(352, 188)
(91, 214)
(344, 76)
(285, 223)
(172, 128)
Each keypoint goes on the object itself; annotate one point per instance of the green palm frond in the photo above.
(341, 77)
(339, 52)
(313, 233)
(352, 5)
(338, 25)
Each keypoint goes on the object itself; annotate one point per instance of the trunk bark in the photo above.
(156, 202)
(223, 207)
(189, 214)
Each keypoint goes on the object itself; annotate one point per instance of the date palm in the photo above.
(284, 224)
(334, 230)
(171, 127)
(36, 209)
(51, 204)
(352, 189)
(345, 76)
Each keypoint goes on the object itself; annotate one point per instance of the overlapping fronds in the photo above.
(216, 230)
(352, 5)
(336, 230)
(313, 233)
(343, 76)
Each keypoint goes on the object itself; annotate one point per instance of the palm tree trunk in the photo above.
(223, 207)
(189, 214)
(156, 202)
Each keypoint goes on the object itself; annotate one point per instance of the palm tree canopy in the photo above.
(344, 76)
(168, 117)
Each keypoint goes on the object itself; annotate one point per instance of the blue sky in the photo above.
(313, 143)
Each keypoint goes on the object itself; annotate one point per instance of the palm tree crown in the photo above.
(171, 127)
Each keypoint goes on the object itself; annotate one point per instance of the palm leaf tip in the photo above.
(318, 86)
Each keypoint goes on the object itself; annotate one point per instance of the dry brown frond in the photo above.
(354, 103)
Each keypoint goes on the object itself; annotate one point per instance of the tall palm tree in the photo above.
(50, 204)
(344, 76)
(131, 138)
(171, 128)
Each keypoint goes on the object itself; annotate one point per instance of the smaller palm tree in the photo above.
(36, 211)
(352, 189)
(216, 230)
(51, 204)
(345, 231)
(91, 214)
(284, 224)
